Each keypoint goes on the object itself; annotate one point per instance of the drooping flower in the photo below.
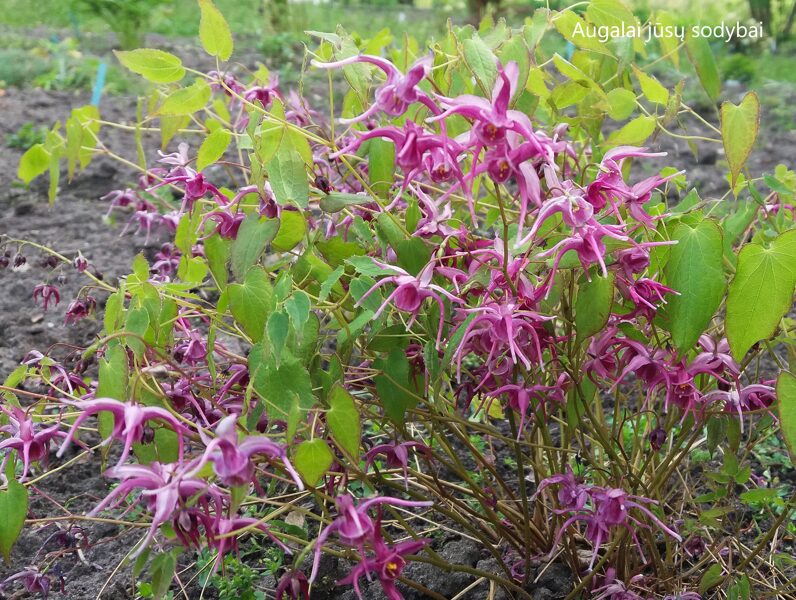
(396, 94)
(396, 455)
(31, 442)
(231, 457)
(129, 419)
(48, 293)
(387, 563)
(353, 525)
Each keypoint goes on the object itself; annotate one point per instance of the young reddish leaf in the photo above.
(155, 65)
(739, 128)
(214, 31)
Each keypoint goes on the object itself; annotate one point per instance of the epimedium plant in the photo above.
(451, 304)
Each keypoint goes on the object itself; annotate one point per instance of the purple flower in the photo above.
(164, 487)
(396, 455)
(410, 292)
(387, 563)
(293, 585)
(30, 441)
(396, 94)
(79, 309)
(48, 293)
(129, 419)
(603, 510)
(34, 582)
(353, 525)
(231, 457)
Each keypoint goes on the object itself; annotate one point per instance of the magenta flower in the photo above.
(32, 580)
(353, 525)
(293, 585)
(396, 94)
(503, 330)
(521, 397)
(605, 510)
(79, 309)
(264, 94)
(387, 564)
(48, 293)
(164, 487)
(396, 455)
(129, 419)
(410, 292)
(30, 441)
(231, 457)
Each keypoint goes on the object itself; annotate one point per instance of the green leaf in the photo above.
(621, 104)
(381, 167)
(633, 133)
(137, 323)
(695, 270)
(413, 255)
(288, 178)
(761, 292)
(701, 56)
(393, 386)
(292, 227)
(282, 385)
(162, 572)
(277, 328)
(343, 420)
(214, 32)
(251, 302)
(651, 87)
(786, 410)
(254, 234)
(711, 578)
(573, 28)
(593, 305)
(33, 163)
(334, 202)
(739, 128)
(482, 62)
(188, 100)
(155, 65)
(312, 460)
(213, 148)
(298, 307)
(217, 252)
(13, 510)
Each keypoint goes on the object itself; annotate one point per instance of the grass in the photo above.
(246, 17)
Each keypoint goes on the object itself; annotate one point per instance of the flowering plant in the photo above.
(457, 307)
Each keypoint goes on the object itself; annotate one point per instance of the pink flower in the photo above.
(30, 441)
(410, 292)
(129, 419)
(353, 525)
(396, 94)
(396, 455)
(231, 457)
(605, 510)
(387, 563)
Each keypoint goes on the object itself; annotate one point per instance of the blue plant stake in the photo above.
(99, 83)
(570, 49)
